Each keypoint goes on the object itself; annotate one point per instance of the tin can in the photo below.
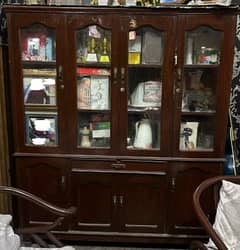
(202, 55)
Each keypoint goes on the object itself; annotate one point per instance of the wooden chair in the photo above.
(215, 184)
(41, 232)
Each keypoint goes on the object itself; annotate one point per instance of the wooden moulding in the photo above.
(4, 160)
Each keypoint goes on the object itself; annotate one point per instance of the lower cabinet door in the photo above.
(184, 179)
(95, 198)
(48, 179)
(123, 200)
(142, 200)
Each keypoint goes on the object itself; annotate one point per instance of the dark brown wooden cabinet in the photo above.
(121, 112)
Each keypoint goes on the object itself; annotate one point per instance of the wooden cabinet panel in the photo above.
(46, 178)
(143, 203)
(185, 178)
(93, 195)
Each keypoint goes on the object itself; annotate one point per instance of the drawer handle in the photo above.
(118, 165)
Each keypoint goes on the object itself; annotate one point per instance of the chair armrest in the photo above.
(38, 201)
(34, 231)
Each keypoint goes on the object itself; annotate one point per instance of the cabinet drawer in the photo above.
(128, 167)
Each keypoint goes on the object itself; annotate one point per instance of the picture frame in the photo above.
(41, 129)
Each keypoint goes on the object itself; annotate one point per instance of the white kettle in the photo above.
(143, 137)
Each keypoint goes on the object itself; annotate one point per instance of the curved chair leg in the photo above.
(39, 240)
(54, 240)
(197, 245)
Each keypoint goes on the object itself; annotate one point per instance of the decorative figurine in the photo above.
(85, 137)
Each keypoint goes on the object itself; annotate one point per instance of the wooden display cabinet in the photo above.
(121, 112)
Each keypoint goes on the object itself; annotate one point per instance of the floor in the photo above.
(85, 247)
(122, 248)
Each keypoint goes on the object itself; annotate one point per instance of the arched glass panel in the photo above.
(145, 59)
(201, 76)
(93, 59)
(38, 51)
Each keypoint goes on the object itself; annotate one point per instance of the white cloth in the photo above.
(227, 223)
(8, 239)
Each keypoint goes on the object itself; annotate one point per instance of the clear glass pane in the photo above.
(143, 131)
(38, 43)
(199, 90)
(41, 130)
(145, 57)
(93, 45)
(94, 129)
(145, 46)
(197, 134)
(39, 90)
(38, 47)
(203, 46)
(93, 57)
(93, 91)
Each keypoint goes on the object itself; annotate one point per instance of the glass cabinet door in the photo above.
(202, 57)
(38, 53)
(93, 61)
(145, 79)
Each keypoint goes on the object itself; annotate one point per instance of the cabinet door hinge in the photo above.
(173, 184)
(175, 59)
(63, 182)
(114, 198)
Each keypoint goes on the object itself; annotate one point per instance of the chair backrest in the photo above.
(214, 184)
(35, 232)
